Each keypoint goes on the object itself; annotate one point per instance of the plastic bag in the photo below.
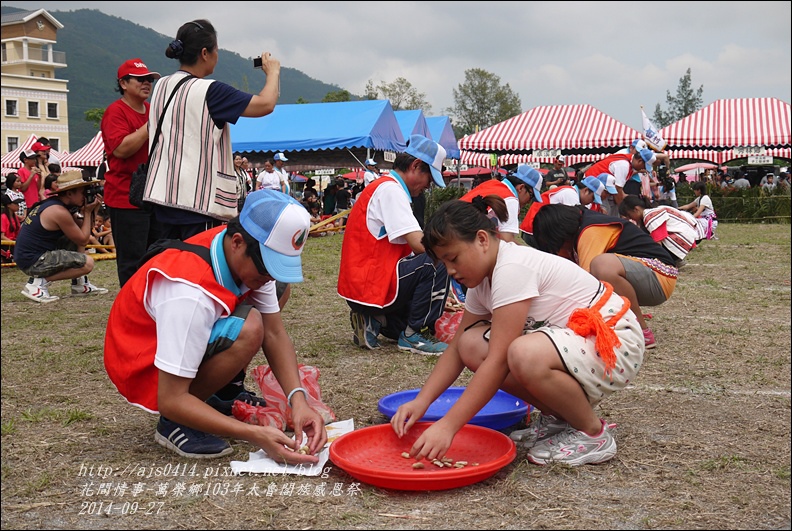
(276, 398)
(447, 325)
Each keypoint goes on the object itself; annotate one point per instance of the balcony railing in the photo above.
(15, 55)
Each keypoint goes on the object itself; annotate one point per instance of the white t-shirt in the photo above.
(555, 285)
(389, 213)
(567, 196)
(283, 175)
(706, 202)
(369, 177)
(269, 180)
(185, 315)
(620, 169)
(512, 225)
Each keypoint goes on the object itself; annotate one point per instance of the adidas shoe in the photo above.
(84, 287)
(225, 406)
(365, 330)
(37, 289)
(574, 447)
(188, 442)
(422, 342)
(540, 428)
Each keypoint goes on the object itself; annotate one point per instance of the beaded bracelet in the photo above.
(288, 399)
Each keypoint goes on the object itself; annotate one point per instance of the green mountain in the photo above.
(96, 44)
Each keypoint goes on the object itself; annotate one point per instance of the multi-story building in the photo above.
(34, 102)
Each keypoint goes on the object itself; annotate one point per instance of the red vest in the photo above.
(491, 187)
(131, 335)
(603, 166)
(368, 273)
(527, 222)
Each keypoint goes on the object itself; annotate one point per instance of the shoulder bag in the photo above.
(137, 185)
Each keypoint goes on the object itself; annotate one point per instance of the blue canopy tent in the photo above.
(443, 134)
(412, 122)
(314, 135)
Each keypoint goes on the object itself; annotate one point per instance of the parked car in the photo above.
(464, 182)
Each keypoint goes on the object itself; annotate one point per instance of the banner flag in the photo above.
(651, 134)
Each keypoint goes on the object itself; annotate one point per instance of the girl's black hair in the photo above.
(631, 201)
(700, 186)
(460, 220)
(555, 225)
(190, 40)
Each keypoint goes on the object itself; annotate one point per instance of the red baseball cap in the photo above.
(135, 67)
(38, 146)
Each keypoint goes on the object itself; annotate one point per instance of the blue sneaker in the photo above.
(188, 442)
(422, 342)
(224, 406)
(365, 330)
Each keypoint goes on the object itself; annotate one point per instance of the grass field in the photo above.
(703, 435)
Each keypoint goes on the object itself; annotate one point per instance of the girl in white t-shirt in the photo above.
(535, 325)
(703, 210)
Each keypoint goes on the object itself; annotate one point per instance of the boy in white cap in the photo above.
(283, 175)
(192, 317)
(372, 173)
(391, 285)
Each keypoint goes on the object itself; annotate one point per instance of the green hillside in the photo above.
(96, 44)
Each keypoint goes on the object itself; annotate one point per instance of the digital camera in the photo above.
(91, 192)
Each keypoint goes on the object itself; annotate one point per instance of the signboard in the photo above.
(534, 164)
(328, 171)
(747, 151)
(546, 153)
(389, 156)
(760, 160)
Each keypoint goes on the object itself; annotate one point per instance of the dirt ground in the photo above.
(703, 435)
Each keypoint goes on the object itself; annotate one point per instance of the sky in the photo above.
(615, 56)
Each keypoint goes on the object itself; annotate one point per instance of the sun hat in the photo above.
(370, 162)
(71, 180)
(609, 181)
(136, 68)
(648, 157)
(280, 224)
(530, 176)
(280, 156)
(431, 153)
(596, 186)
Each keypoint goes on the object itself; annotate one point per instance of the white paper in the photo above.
(260, 463)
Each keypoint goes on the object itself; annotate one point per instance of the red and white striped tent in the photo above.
(473, 158)
(11, 159)
(553, 127)
(713, 132)
(90, 155)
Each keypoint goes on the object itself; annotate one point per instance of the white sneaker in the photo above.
(573, 447)
(542, 427)
(84, 287)
(38, 291)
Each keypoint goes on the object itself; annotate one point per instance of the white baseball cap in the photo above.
(431, 153)
(280, 156)
(281, 225)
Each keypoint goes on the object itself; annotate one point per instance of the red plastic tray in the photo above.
(373, 455)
